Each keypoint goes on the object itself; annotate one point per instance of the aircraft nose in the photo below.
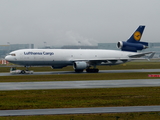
(8, 58)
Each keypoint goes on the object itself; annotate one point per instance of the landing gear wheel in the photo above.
(23, 72)
(78, 70)
(92, 70)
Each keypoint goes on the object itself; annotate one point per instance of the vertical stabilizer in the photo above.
(133, 44)
(136, 36)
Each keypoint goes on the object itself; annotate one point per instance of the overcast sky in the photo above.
(74, 22)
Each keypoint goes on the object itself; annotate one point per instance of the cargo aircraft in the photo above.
(82, 59)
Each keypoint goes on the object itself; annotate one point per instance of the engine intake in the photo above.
(80, 65)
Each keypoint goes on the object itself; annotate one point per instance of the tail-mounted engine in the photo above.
(133, 47)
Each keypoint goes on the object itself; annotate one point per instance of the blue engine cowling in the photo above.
(132, 47)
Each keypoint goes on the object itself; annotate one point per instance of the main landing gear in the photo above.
(78, 70)
(94, 70)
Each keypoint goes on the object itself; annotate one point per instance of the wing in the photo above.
(113, 61)
(138, 55)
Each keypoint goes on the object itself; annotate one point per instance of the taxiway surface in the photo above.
(72, 72)
(93, 110)
(79, 84)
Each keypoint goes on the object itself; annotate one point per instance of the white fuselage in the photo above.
(63, 57)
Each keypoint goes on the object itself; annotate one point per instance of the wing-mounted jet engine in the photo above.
(133, 44)
(79, 66)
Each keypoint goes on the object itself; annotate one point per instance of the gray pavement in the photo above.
(92, 110)
(79, 84)
(72, 72)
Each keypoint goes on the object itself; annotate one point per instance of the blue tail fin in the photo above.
(133, 44)
(136, 36)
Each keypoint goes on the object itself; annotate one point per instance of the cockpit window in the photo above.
(12, 54)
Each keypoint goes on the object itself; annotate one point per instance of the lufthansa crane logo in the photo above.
(137, 35)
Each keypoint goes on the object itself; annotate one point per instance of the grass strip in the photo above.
(75, 77)
(70, 98)
(109, 116)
